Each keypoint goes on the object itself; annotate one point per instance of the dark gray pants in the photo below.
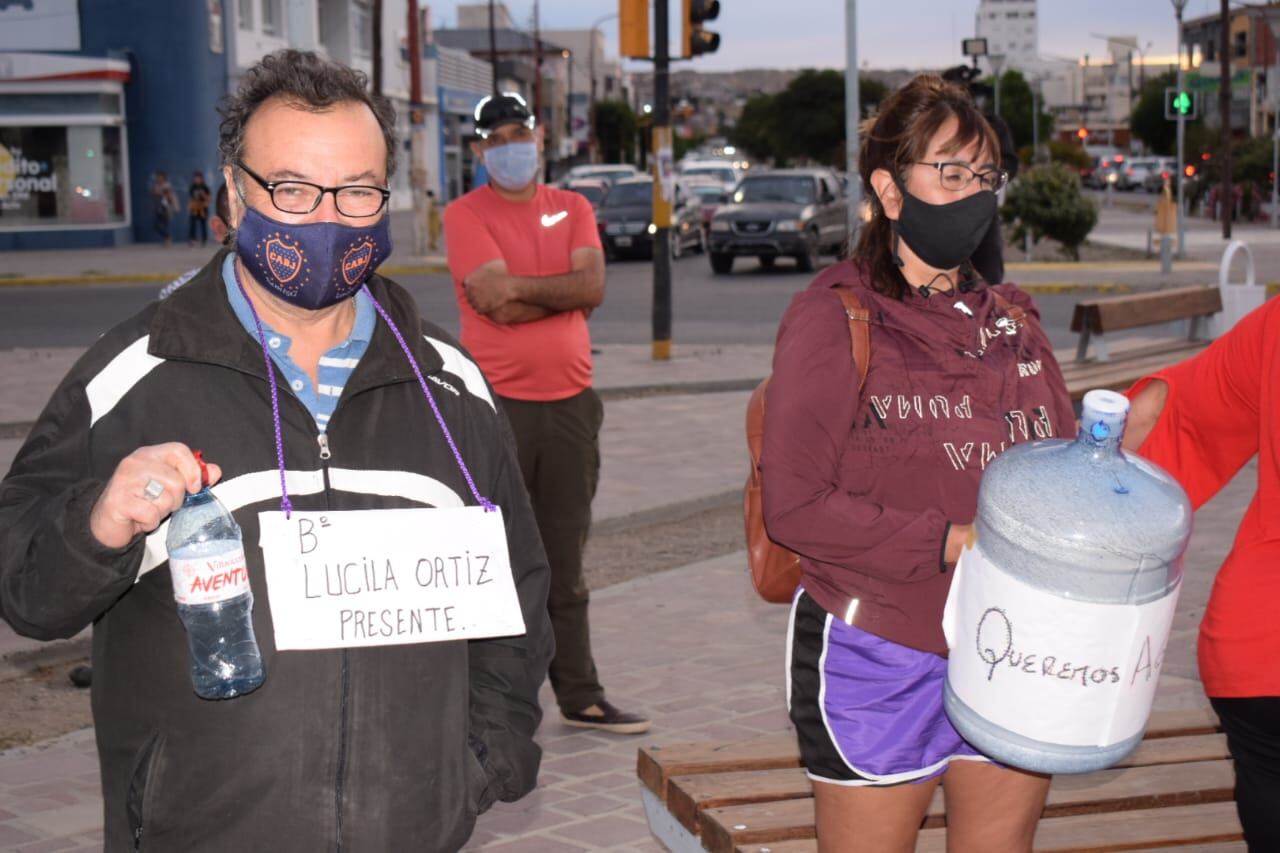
(558, 444)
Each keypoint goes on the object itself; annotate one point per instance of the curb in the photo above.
(166, 277)
(46, 654)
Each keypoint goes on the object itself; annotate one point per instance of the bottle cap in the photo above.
(204, 468)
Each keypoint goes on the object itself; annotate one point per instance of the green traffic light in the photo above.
(1182, 103)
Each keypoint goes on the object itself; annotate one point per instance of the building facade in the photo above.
(96, 97)
(1012, 31)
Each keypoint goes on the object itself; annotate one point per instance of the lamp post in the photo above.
(591, 103)
(852, 113)
(1178, 6)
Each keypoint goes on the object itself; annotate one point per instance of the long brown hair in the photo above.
(898, 136)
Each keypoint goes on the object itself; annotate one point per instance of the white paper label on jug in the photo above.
(208, 580)
(1048, 668)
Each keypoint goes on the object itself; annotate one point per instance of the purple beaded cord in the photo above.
(285, 504)
(422, 383)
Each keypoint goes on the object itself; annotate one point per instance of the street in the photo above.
(742, 308)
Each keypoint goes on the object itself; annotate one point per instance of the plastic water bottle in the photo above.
(215, 603)
(1060, 610)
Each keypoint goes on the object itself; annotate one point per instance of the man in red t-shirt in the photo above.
(1203, 420)
(527, 271)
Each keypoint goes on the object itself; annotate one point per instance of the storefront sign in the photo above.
(21, 177)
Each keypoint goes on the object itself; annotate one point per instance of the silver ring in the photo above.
(153, 490)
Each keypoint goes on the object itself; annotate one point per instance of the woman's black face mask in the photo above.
(946, 235)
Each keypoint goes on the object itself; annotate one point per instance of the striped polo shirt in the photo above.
(335, 365)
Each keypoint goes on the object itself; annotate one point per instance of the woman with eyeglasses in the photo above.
(876, 488)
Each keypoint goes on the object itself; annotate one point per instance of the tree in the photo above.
(1016, 106)
(804, 121)
(753, 131)
(809, 117)
(615, 129)
(1046, 202)
(1147, 120)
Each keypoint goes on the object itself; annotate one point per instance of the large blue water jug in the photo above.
(1060, 609)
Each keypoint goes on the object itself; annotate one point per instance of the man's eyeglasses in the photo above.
(354, 200)
(957, 176)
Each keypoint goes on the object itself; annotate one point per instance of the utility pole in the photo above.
(663, 161)
(537, 87)
(417, 133)
(852, 113)
(375, 14)
(1180, 176)
(1224, 107)
(493, 49)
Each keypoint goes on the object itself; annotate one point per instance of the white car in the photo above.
(611, 173)
(722, 171)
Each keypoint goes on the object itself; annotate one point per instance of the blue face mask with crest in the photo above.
(315, 264)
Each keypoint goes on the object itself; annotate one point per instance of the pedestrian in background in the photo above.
(527, 271)
(1202, 421)
(198, 210)
(164, 204)
(386, 737)
(218, 224)
(862, 484)
(433, 221)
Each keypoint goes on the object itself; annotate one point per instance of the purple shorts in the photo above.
(867, 711)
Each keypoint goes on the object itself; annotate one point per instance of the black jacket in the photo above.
(371, 749)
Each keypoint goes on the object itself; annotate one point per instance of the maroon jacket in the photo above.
(864, 487)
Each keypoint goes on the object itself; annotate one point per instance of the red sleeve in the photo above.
(586, 235)
(468, 241)
(1209, 427)
(812, 405)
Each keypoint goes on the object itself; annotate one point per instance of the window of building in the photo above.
(64, 175)
(272, 18)
(244, 14)
(1239, 45)
(1011, 14)
(363, 29)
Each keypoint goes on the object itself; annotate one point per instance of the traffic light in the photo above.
(1189, 170)
(1082, 134)
(633, 29)
(696, 40)
(1179, 103)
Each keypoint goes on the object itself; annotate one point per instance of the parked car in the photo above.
(611, 173)
(711, 195)
(592, 189)
(723, 171)
(1149, 173)
(796, 213)
(626, 220)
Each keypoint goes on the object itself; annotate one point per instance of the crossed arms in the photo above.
(505, 298)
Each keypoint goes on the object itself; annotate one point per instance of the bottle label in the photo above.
(208, 580)
(1049, 668)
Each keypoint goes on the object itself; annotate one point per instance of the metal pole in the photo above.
(591, 103)
(1224, 107)
(493, 49)
(661, 204)
(852, 114)
(1180, 176)
(417, 132)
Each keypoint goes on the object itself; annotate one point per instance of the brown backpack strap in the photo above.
(1014, 312)
(859, 331)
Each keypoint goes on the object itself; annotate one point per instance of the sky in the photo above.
(891, 33)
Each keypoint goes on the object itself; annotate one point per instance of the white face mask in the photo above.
(512, 166)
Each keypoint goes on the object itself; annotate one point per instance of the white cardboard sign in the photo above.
(388, 577)
(1055, 670)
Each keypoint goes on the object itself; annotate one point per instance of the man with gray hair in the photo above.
(399, 582)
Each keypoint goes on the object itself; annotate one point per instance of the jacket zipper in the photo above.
(322, 439)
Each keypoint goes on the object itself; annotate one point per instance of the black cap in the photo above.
(496, 110)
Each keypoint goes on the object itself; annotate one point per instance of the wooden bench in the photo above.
(751, 796)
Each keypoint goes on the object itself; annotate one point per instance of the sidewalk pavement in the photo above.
(690, 646)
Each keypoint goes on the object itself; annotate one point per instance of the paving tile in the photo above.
(611, 830)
